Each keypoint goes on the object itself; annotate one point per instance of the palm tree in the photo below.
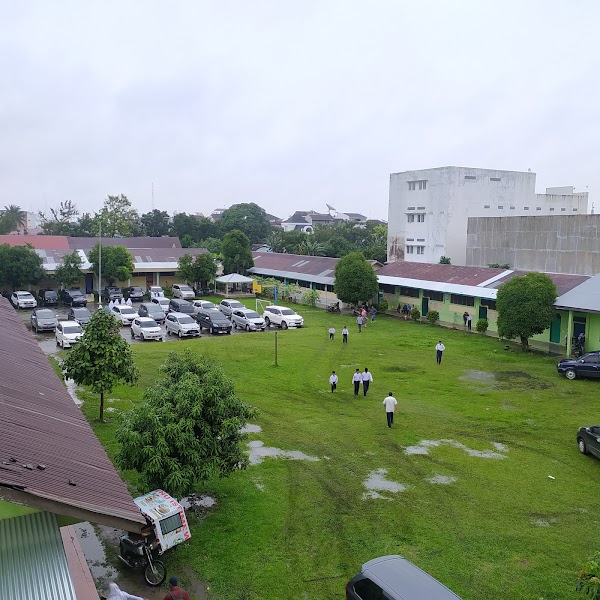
(14, 217)
(310, 247)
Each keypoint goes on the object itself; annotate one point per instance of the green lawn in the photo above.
(300, 529)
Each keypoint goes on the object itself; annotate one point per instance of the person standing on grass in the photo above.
(345, 335)
(363, 314)
(469, 319)
(373, 313)
(359, 323)
(367, 378)
(390, 404)
(439, 349)
(465, 316)
(331, 333)
(333, 381)
(176, 592)
(357, 380)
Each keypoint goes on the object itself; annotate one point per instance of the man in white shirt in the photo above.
(390, 404)
(333, 381)
(345, 335)
(366, 379)
(469, 320)
(356, 380)
(439, 348)
(331, 333)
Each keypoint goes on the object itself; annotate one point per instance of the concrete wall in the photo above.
(553, 244)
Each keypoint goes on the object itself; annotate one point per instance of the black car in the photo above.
(47, 297)
(586, 366)
(135, 292)
(152, 310)
(588, 440)
(202, 291)
(80, 315)
(73, 297)
(181, 306)
(213, 320)
(111, 292)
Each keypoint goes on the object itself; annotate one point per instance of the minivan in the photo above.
(181, 306)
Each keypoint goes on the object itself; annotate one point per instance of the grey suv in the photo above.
(395, 578)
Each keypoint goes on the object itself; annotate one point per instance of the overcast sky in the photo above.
(289, 104)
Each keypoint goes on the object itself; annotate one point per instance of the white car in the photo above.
(23, 300)
(181, 325)
(282, 317)
(155, 291)
(202, 305)
(228, 305)
(162, 302)
(183, 291)
(67, 333)
(125, 314)
(146, 328)
(250, 320)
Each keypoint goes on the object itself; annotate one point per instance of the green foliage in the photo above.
(310, 247)
(433, 316)
(69, 271)
(60, 221)
(482, 325)
(101, 358)
(188, 429)
(589, 578)
(117, 218)
(193, 228)
(310, 297)
(444, 260)
(382, 307)
(275, 241)
(415, 314)
(13, 218)
(355, 280)
(197, 269)
(248, 218)
(155, 223)
(212, 244)
(525, 306)
(20, 266)
(236, 252)
(337, 246)
(291, 241)
(499, 266)
(117, 263)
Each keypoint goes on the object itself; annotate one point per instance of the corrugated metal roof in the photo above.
(585, 297)
(292, 263)
(47, 448)
(439, 273)
(33, 563)
(40, 242)
(563, 282)
(131, 243)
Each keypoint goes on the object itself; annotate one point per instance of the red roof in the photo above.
(564, 283)
(439, 273)
(39, 242)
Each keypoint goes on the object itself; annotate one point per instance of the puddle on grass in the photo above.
(258, 452)
(423, 448)
(95, 555)
(503, 380)
(197, 501)
(376, 482)
(72, 389)
(441, 479)
(539, 523)
(250, 428)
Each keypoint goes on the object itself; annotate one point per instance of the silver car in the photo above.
(43, 319)
(181, 325)
(183, 291)
(250, 320)
(228, 305)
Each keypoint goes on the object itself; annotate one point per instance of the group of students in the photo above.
(120, 302)
(365, 378)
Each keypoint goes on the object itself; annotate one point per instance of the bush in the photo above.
(433, 316)
(415, 314)
(310, 297)
(482, 325)
(589, 578)
(382, 307)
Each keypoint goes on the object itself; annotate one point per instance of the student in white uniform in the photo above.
(390, 404)
(366, 379)
(357, 380)
(333, 381)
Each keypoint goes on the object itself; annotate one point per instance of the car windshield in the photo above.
(185, 288)
(81, 312)
(252, 315)
(287, 311)
(236, 304)
(75, 293)
(45, 314)
(148, 324)
(186, 320)
(72, 329)
(154, 308)
(24, 295)
(164, 301)
(207, 305)
(127, 310)
(136, 289)
(50, 294)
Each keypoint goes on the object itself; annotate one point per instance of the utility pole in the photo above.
(276, 348)
(99, 258)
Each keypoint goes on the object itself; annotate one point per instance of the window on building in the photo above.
(411, 208)
(512, 208)
(420, 217)
(386, 288)
(462, 300)
(432, 295)
(420, 208)
(552, 209)
(491, 304)
(486, 206)
(412, 185)
(574, 210)
(538, 208)
(410, 292)
(420, 249)
(410, 218)
(420, 239)
(500, 207)
(563, 209)
(495, 179)
(526, 208)
(470, 177)
(410, 249)
(422, 185)
(410, 239)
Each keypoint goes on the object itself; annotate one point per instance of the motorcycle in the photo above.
(142, 554)
(334, 308)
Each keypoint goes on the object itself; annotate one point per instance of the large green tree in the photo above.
(117, 218)
(187, 430)
(101, 358)
(69, 272)
(156, 223)
(14, 217)
(525, 306)
(249, 218)
(61, 220)
(20, 266)
(236, 252)
(197, 269)
(193, 228)
(117, 263)
(355, 280)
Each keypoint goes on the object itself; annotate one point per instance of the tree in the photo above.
(20, 266)
(193, 227)
(236, 251)
(117, 263)
(117, 218)
(85, 226)
(69, 272)
(355, 280)
(338, 246)
(275, 241)
(292, 240)
(14, 217)
(444, 260)
(499, 266)
(213, 245)
(310, 247)
(187, 430)
(248, 218)
(589, 578)
(197, 269)
(525, 306)
(156, 223)
(61, 220)
(5, 227)
(101, 358)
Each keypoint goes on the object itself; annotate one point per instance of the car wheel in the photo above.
(211, 331)
(267, 321)
(229, 332)
(180, 334)
(247, 327)
(168, 331)
(63, 344)
(57, 342)
(581, 445)
(284, 325)
(132, 335)
(570, 374)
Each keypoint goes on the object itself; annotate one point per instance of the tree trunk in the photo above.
(101, 406)
(525, 344)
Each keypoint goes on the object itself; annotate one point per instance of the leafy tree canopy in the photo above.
(213, 245)
(69, 272)
(117, 263)
(197, 269)
(14, 218)
(101, 358)
(20, 266)
(61, 220)
(525, 306)
(192, 227)
(236, 252)
(187, 430)
(117, 218)
(248, 218)
(445, 260)
(291, 241)
(355, 280)
(156, 223)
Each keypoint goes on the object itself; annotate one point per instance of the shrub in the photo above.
(589, 578)
(310, 297)
(482, 325)
(382, 307)
(415, 314)
(433, 316)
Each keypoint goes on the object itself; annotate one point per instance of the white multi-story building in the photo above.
(429, 209)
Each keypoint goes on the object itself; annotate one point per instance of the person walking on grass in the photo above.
(176, 592)
(390, 404)
(357, 380)
(333, 381)
(359, 322)
(345, 335)
(465, 316)
(439, 350)
(469, 319)
(373, 312)
(331, 333)
(367, 378)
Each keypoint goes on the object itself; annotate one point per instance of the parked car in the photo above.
(247, 319)
(202, 291)
(588, 440)
(228, 305)
(125, 314)
(395, 578)
(213, 320)
(47, 297)
(73, 297)
(156, 291)
(202, 305)
(68, 333)
(162, 302)
(81, 315)
(282, 317)
(586, 366)
(152, 310)
(146, 328)
(23, 299)
(180, 290)
(181, 306)
(135, 292)
(111, 292)
(181, 325)
(43, 319)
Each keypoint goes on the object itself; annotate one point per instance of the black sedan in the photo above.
(588, 440)
(73, 297)
(586, 366)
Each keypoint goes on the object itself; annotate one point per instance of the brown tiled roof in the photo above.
(48, 451)
(564, 283)
(163, 254)
(295, 263)
(440, 273)
(131, 243)
(40, 242)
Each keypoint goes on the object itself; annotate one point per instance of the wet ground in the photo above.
(486, 381)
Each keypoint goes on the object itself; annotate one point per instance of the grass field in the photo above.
(502, 422)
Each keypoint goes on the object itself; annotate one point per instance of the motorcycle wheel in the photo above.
(155, 573)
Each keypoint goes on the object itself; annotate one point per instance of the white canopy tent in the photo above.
(232, 278)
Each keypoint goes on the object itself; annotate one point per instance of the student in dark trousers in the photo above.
(345, 335)
(439, 350)
(359, 322)
(469, 319)
(390, 404)
(331, 333)
(357, 380)
(333, 381)
(367, 378)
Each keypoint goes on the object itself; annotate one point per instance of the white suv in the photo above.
(282, 317)
(181, 325)
(68, 333)
(23, 300)
(185, 292)
(146, 328)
